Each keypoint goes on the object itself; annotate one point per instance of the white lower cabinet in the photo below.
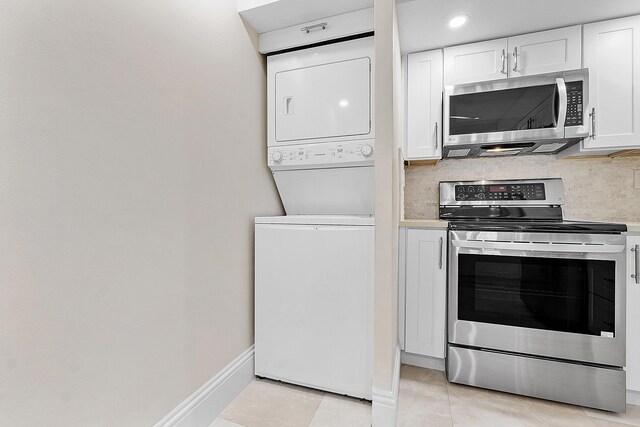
(425, 292)
(633, 313)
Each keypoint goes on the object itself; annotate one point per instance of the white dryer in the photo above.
(320, 128)
(314, 301)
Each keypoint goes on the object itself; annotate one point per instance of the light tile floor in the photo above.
(426, 399)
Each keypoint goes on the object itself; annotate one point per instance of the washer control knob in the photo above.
(277, 156)
(366, 150)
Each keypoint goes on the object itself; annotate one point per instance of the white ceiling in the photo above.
(423, 23)
(268, 15)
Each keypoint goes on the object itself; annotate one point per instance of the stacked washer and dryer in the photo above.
(314, 266)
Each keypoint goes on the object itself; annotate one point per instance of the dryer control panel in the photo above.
(322, 155)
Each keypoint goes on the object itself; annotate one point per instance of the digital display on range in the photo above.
(519, 191)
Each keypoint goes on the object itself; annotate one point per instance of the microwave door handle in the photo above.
(562, 111)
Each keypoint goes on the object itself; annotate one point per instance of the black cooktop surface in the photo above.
(538, 226)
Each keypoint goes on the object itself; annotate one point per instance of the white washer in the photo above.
(314, 301)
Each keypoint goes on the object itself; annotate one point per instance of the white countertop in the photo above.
(633, 227)
(424, 223)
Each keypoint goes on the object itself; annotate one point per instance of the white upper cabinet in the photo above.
(528, 54)
(545, 52)
(612, 55)
(633, 314)
(424, 109)
(285, 24)
(475, 62)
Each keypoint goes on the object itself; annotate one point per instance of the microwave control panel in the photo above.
(528, 191)
(574, 104)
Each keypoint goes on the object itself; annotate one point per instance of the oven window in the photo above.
(503, 110)
(566, 295)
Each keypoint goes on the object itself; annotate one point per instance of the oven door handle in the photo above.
(539, 247)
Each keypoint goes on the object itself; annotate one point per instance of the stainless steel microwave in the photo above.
(540, 114)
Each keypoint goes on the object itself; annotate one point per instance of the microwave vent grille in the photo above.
(459, 152)
(548, 148)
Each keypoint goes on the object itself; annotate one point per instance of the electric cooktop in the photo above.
(515, 205)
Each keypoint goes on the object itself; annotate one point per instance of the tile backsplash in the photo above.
(597, 189)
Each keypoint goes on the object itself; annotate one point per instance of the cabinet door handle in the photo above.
(636, 276)
(515, 58)
(593, 122)
(310, 28)
(442, 252)
(436, 135)
(503, 57)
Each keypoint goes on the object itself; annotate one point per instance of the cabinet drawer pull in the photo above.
(636, 276)
(442, 252)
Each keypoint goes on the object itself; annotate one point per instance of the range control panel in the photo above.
(533, 191)
(324, 154)
(513, 192)
(574, 104)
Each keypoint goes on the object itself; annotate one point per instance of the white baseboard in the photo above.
(202, 407)
(422, 361)
(385, 402)
(633, 397)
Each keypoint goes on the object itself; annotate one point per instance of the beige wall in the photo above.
(599, 189)
(132, 163)
(385, 334)
(387, 193)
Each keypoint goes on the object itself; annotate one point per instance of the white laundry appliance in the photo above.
(314, 301)
(320, 128)
(314, 266)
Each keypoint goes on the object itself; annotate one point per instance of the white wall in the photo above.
(132, 162)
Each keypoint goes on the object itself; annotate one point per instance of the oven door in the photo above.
(553, 295)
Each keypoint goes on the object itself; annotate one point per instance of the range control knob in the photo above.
(277, 156)
(366, 150)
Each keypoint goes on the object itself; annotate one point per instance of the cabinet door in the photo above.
(545, 52)
(426, 283)
(424, 109)
(633, 314)
(612, 55)
(475, 62)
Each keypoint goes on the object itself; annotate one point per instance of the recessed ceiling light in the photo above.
(458, 21)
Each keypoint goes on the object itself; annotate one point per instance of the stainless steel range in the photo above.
(536, 303)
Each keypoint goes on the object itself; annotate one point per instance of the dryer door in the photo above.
(323, 101)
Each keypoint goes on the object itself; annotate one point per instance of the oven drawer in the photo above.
(595, 387)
